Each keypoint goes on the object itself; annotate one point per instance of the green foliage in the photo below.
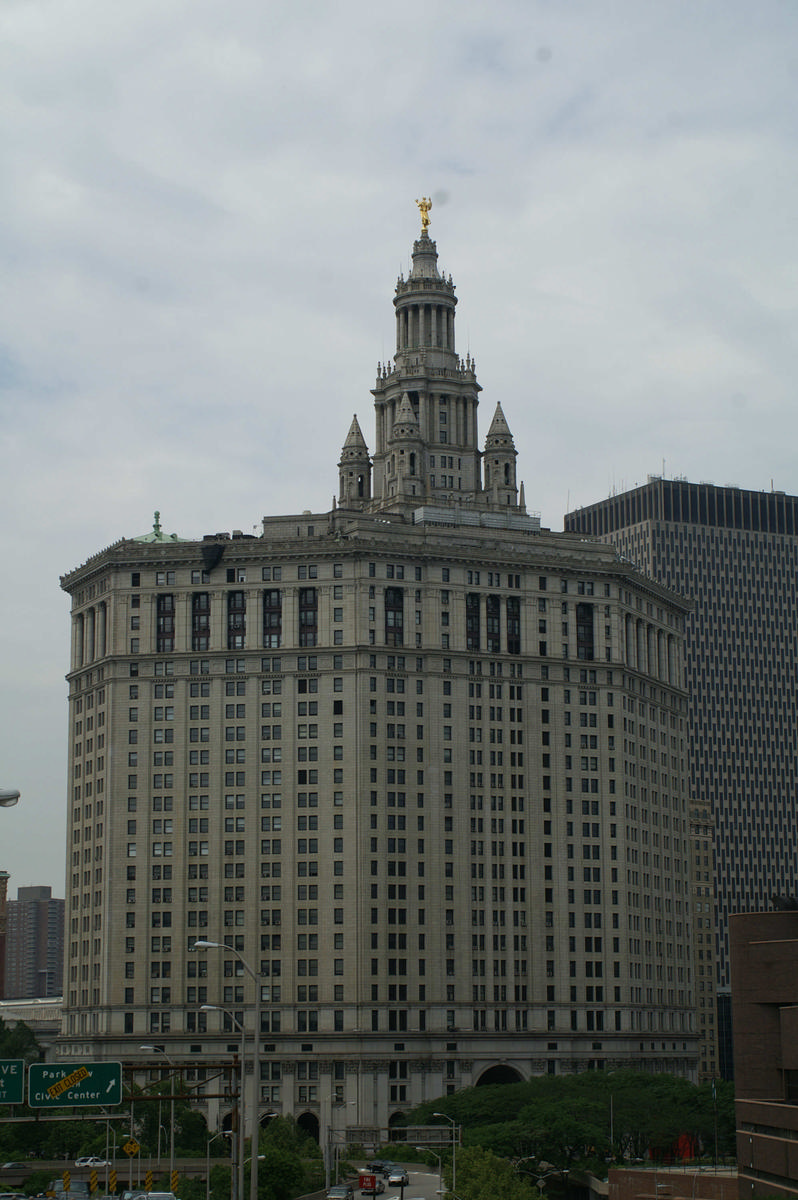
(292, 1161)
(482, 1175)
(593, 1117)
(36, 1182)
(18, 1041)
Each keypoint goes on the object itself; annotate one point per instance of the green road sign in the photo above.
(12, 1080)
(54, 1086)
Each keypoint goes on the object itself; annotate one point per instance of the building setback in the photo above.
(735, 553)
(397, 755)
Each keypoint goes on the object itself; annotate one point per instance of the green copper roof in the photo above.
(158, 535)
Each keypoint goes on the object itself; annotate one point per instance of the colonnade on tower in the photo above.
(426, 402)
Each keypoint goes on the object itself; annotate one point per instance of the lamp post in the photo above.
(239, 1193)
(208, 1165)
(253, 1175)
(160, 1050)
(425, 1150)
(453, 1124)
(8, 797)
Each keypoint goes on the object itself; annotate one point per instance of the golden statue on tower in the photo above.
(425, 205)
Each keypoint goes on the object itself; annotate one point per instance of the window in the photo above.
(200, 619)
(272, 617)
(236, 620)
(308, 614)
(394, 616)
(165, 620)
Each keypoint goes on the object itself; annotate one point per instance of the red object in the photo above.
(368, 1183)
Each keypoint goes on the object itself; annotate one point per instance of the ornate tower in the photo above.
(354, 470)
(438, 460)
(499, 464)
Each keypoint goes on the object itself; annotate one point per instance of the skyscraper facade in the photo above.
(735, 554)
(421, 762)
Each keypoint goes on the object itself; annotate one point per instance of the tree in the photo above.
(482, 1175)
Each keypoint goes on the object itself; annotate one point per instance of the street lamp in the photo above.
(160, 1050)
(208, 1164)
(8, 797)
(239, 1194)
(453, 1124)
(425, 1150)
(253, 1175)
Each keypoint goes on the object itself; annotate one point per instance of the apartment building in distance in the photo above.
(735, 553)
(421, 762)
(34, 951)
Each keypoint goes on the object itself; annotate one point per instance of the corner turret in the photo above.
(354, 470)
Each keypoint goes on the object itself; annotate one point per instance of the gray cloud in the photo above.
(203, 211)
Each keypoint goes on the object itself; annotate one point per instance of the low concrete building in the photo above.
(764, 955)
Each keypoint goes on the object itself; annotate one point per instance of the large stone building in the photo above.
(421, 762)
(736, 554)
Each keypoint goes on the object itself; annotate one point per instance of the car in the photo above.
(14, 1166)
(398, 1178)
(378, 1189)
(341, 1191)
(387, 1167)
(92, 1161)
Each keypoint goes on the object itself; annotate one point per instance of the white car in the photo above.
(92, 1162)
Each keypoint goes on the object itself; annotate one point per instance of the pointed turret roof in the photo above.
(499, 432)
(355, 439)
(406, 423)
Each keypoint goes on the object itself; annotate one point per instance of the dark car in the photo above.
(341, 1191)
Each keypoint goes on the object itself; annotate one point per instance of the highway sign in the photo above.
(12, 1080)
(54, 1086)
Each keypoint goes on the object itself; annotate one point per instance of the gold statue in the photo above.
(425, 205)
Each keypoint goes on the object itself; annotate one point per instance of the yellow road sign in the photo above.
(131, 1147)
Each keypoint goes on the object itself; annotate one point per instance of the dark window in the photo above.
(584, 631)
(493, 624)
(236, 620)
(472, 621)
(513, 625)
(200, 621)
(308, 617)
(272, 617)
(165, 623)
(394, 616)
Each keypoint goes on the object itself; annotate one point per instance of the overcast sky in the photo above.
(204, 207)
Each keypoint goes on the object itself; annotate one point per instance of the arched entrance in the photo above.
(500, 1074)
(308, 1122)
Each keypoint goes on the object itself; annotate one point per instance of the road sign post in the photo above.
(12, 1080)
(53, 1086)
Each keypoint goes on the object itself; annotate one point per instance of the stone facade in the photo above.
(421, 762)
